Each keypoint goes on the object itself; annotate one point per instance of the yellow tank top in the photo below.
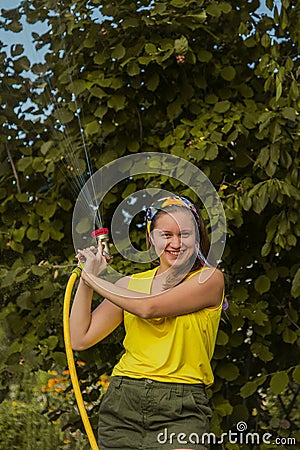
(170, 349)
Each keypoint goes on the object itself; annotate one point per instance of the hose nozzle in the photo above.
(102, 234)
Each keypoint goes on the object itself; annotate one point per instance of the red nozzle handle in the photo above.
(100, 232)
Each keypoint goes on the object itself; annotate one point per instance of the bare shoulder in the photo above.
(209, 284)
(123, 282)
(213, 275)
(210, 275)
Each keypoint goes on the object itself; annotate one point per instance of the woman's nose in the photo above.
(176, 241)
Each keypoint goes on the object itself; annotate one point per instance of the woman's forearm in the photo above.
(190, 296)
(80, 317)
(126, 299)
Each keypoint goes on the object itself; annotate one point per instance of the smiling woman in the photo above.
(171, 316)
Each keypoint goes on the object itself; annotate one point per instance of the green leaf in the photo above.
(18, 234)
(38, 164)
(278, 89)
(265, 40)
(17, 247)
(101, 111)
(266, 248)
(284, 20)
(260, 318)
(32, 234)
(118, 52)
(222, 338)
(168, 141)
(296, 374)
(79, 86)
(63, 115)
(248, 389)
(228, 73)
(225, 7)
(289, 113)
(181, 45)
(100, 58)
(261, 351)
(251, 386)
(240, 293)
(222, 107)
(201, 17)
(45, 210)
(130, 189)
(51, 342)
(145, 60)
(222, 406)
(279, 382)
(96, 91)
(295, 291)
(152, 81)
(39, 270)
(22, 63)
(133, 68)
(204, 55)
(117, 102)
(24, 301)
(150, 48)
(17, 50)
(228, 371)
(213, 9)
(262, 284)
(249, 42)
(59, 358)
(46, 146)
(174, 109)
(92, 128)
(294, 90)
(83, 225)
(23, 163)
(211, 152)
(289, 336)
(178, 3)
(15, 347)
(247, 202)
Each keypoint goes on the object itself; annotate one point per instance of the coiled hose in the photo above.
(70, 358)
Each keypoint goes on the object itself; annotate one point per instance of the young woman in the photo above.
(156, 398)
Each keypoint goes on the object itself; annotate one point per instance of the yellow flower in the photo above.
(52, 382)
(223, 187)
(59, 389)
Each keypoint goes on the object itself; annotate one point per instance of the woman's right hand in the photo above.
(92, 259)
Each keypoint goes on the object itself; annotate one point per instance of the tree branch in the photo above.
(13, 169)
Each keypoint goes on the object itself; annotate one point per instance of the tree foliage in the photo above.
(213, 82)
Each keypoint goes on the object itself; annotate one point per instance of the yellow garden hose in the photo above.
(70, 358)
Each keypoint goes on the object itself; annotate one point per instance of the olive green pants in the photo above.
(146, 414)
